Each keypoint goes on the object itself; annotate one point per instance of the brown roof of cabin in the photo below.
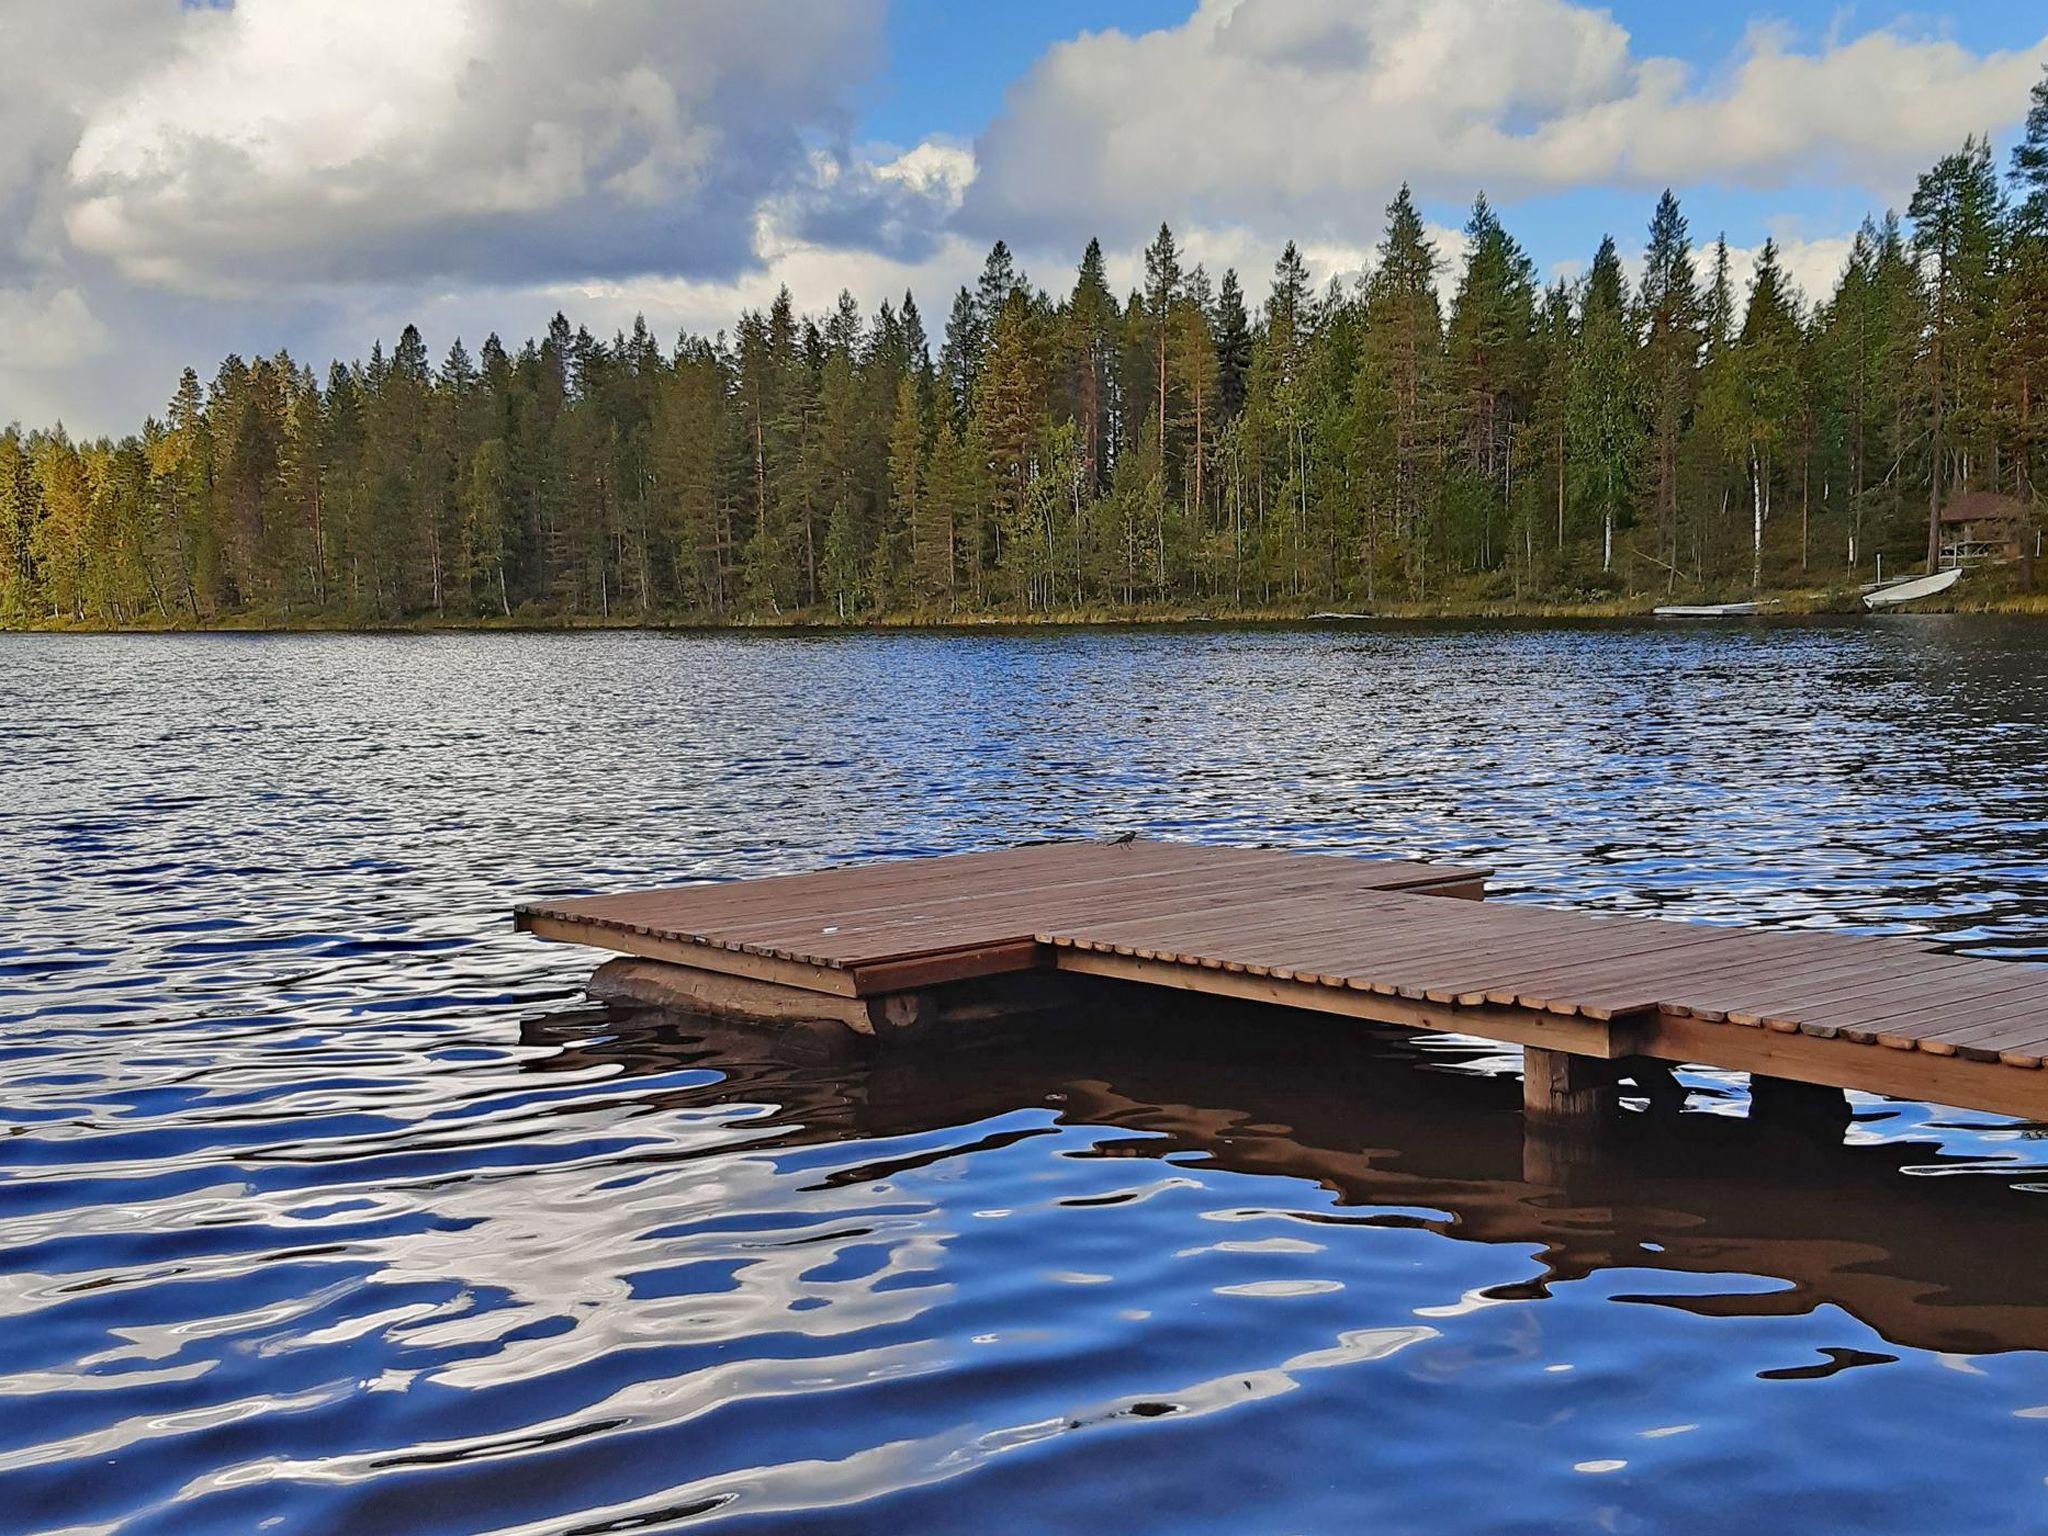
(1983, 507)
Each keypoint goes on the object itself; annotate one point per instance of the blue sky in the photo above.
(180, 180)
(949, 63)
(949, 66)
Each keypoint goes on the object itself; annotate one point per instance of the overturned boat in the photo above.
(1711, 610)
(1912, 589)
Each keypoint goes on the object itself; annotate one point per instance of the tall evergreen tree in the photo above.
(1091, 345)
(2021, 358)
(1398, 384)
(1604, 424)
(1767, 366)
(1672, 322)
(1232, 325)
(1956, 238)
(1489, 361)
(1162, 290)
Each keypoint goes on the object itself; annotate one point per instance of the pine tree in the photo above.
(960, 357)
(848, 534)
(923, 561)
(692, 434)
(1194, 370)
(183, 467)
(1604, 425)
(21, 596)
(1006, 413)
(999, 281)
(303, 489)
(1233, 329)
(2030, 163)
(1290, 316)
(488, 518)
(1866, 344)
(2021, 359)
(1557, 343)
(59, 542)
(953, 497)
(1767, 366)
(1091, 346)
(1488, 362)
(1162, 290)
(1398, 384)
(1956, 217)
(1673, 324)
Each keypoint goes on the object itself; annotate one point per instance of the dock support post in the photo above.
(1563, 1092)
(1806, 1107)
(1656, 1081)
(1564, 1100)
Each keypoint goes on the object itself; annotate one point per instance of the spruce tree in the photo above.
(2022, 356)
(1557, 342)
(1956, 217)
(1162, 290)
(2030, 163)
(1488, 362)
(1091, 344)
(1400, 378)
(1767, 357)
(1232, 326)
(1604, 426)
(1673, 326)
(961, 354)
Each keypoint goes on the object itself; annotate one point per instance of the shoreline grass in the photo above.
(1796, 604)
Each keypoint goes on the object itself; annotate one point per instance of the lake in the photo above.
(328, 1204)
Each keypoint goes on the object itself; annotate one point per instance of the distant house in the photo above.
(1983, 525)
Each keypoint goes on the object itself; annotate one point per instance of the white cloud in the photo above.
(899, 206)
(48, 328)
(302, 142)
(58, 65)
(1310, 112)
(182, 180)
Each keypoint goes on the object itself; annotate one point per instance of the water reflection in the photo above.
(1912, 1239)
(326, 1207)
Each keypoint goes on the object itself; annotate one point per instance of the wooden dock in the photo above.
(885, 946)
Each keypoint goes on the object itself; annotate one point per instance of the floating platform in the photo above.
(883, 947)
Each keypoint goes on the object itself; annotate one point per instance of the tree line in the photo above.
(1415, 435)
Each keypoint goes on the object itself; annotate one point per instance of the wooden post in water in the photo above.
(1563, 1092)
(1808, 1108)
(1564, 1100)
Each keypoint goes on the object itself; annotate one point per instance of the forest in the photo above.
(1415, 436)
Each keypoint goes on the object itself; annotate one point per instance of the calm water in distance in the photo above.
(328, 1205)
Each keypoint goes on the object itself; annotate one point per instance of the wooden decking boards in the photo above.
(1369, 939)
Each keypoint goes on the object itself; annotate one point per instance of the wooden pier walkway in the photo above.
(1376, 940)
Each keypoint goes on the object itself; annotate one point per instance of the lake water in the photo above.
(328, 1205)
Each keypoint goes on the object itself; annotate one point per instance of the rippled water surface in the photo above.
(327, 1204)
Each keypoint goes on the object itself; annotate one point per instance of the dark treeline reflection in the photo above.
(1435, 429)
(1407, 1133)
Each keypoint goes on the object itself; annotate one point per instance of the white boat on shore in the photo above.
(1912, 589)
(1710, 610)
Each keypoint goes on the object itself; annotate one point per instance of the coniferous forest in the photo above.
(1420, 436)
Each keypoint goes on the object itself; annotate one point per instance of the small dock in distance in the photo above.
(901, 947)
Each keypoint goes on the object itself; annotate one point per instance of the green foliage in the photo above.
(1185, 445)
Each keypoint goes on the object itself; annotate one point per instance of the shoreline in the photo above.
(1790, 605)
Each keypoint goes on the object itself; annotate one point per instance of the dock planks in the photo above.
(1371, 939)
